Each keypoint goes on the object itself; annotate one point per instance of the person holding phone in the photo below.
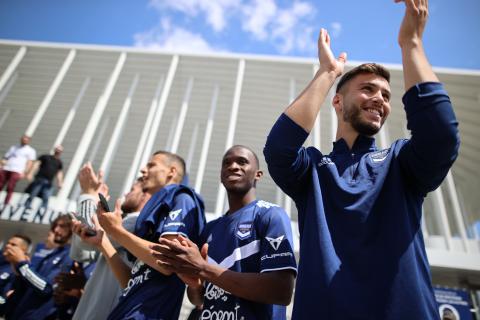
(102, 290)
(149, 290)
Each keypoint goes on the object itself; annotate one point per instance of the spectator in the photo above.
(50, 166)
(17, 164)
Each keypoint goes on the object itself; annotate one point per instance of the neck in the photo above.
(237, 201)
(347, 133)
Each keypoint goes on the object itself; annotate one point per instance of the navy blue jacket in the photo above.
(33, 297)
(362, 254)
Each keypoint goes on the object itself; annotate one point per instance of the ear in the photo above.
(258, 174)
(172, 173)
(337, 102)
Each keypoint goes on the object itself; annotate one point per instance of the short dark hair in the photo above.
(362, 69)
(247, 148)
(26, 239)
(61, 217)
(174, 158)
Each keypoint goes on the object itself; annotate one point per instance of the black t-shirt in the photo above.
(49, 166)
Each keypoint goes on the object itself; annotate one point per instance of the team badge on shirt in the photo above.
(174, 214)
(244, 230)
(4, 275)
(275, 242)
(379, 156)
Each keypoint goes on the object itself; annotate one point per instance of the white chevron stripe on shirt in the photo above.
(31, 277)
(238, 254)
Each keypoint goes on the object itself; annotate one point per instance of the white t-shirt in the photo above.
(17, 157)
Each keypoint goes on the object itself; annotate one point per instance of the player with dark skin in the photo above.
(239, 175)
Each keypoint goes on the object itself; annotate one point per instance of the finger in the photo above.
(118, 206)
(342, 57)
(204, 251)
(100, 176)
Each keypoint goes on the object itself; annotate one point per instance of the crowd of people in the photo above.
(20, 162)
(359, 208)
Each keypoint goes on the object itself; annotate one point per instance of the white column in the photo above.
(159, 112)
(12, 66)
(457, 211)
(117, 132)
(51, 93)
(316, 138)
(333, 117)
(89, 132)
(8, 87)
(4, 117)
(384, 137)
(182, 116)
(135, 166)
(441, 212)
(91, 157)
(206, 140)
(231, 130)
(71, 114)
(171, 132)
(191, 149)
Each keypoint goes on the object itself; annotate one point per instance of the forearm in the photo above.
(416, 68)
(304, 109)
(119, 268)
(268, 287)
(38, 283)
(139, 247)
(195, 295)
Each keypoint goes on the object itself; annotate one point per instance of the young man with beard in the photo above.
(251, 265)
(33, 287)
(362, 254)
(102, 290)
(151, 291)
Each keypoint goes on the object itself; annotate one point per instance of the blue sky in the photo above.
(366, 30)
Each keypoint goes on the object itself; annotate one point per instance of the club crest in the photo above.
(244, 230)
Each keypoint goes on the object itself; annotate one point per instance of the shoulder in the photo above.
(267, 211)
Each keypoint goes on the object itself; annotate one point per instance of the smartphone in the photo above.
(104, 203)
(90, 231)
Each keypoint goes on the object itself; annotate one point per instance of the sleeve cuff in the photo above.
(86, 196)
(422, 95)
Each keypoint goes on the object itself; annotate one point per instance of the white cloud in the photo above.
(287, 28)
(335, 29)
(173, 38)
(215, 11)
(292, 25)
(258, 16)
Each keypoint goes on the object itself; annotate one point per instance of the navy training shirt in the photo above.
(149, 294)
(362, 254)
(256, 238)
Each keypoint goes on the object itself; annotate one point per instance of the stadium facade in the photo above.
(115, 106)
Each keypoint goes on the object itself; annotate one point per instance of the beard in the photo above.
(352, 115)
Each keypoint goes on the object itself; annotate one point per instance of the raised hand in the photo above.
(90, 182)
(110, 221)
(414, 21)
(328, 62)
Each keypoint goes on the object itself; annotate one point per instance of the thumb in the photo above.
(204, 251)
(342, 57)
(100, 176)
